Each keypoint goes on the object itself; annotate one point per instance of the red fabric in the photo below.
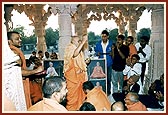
(35, 92)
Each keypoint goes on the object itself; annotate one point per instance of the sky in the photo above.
(95, 26)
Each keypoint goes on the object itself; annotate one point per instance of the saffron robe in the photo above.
(75, 74)
(47, 105)
(137, 107)
(99, 99)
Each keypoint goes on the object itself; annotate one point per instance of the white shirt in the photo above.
(104, 46)
(135, 70)
(44, 58)
(146, 50)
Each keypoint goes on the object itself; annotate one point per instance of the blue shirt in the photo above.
(99, 49)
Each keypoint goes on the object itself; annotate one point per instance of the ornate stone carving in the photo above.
(157, 40)
(39, 17)
(154, 6)
(63, 8)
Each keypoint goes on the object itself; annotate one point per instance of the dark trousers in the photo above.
(109, 72)
(149, 101)
(143, 72)
(119, 97)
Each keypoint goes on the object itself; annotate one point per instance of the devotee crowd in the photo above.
(28, 87)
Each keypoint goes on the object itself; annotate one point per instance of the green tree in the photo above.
(92, 38)
(143, 32)
(52, 37)
(113, 34)
(31, 40)
(20, 29)
(26, 39)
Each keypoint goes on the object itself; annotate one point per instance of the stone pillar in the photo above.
(65, 32)
(157, 62)
(121, 29)
(132, 26)
(132, 14)
(39, 22)
(40, 33)
(120, 23)
(64, 11)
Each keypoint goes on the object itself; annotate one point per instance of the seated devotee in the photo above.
(35, 82)
(134, 68)
(46, 56)
(96, 97)
(33, 55)
(155, 96)
(54, 55)
(40, 56)
(86, 106)
(117, 106)
(29, 64)
(98, 72)
(132, 102)
(129, 85)
(54, 92)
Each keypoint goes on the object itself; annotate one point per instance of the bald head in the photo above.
(117, 106)
(133, 97)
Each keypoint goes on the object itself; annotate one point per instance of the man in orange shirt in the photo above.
(75, 72)
(96, 97)
(130, 44)
(132, 102)
(132, 48)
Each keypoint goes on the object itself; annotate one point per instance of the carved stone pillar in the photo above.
(132, 26)
(40, 33)
(64, 11)
(81, 25)
(132, 14)
(156, 64)
(65, 32)
(39, 17)
(120, 23)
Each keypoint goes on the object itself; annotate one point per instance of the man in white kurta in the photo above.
(14, 98)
